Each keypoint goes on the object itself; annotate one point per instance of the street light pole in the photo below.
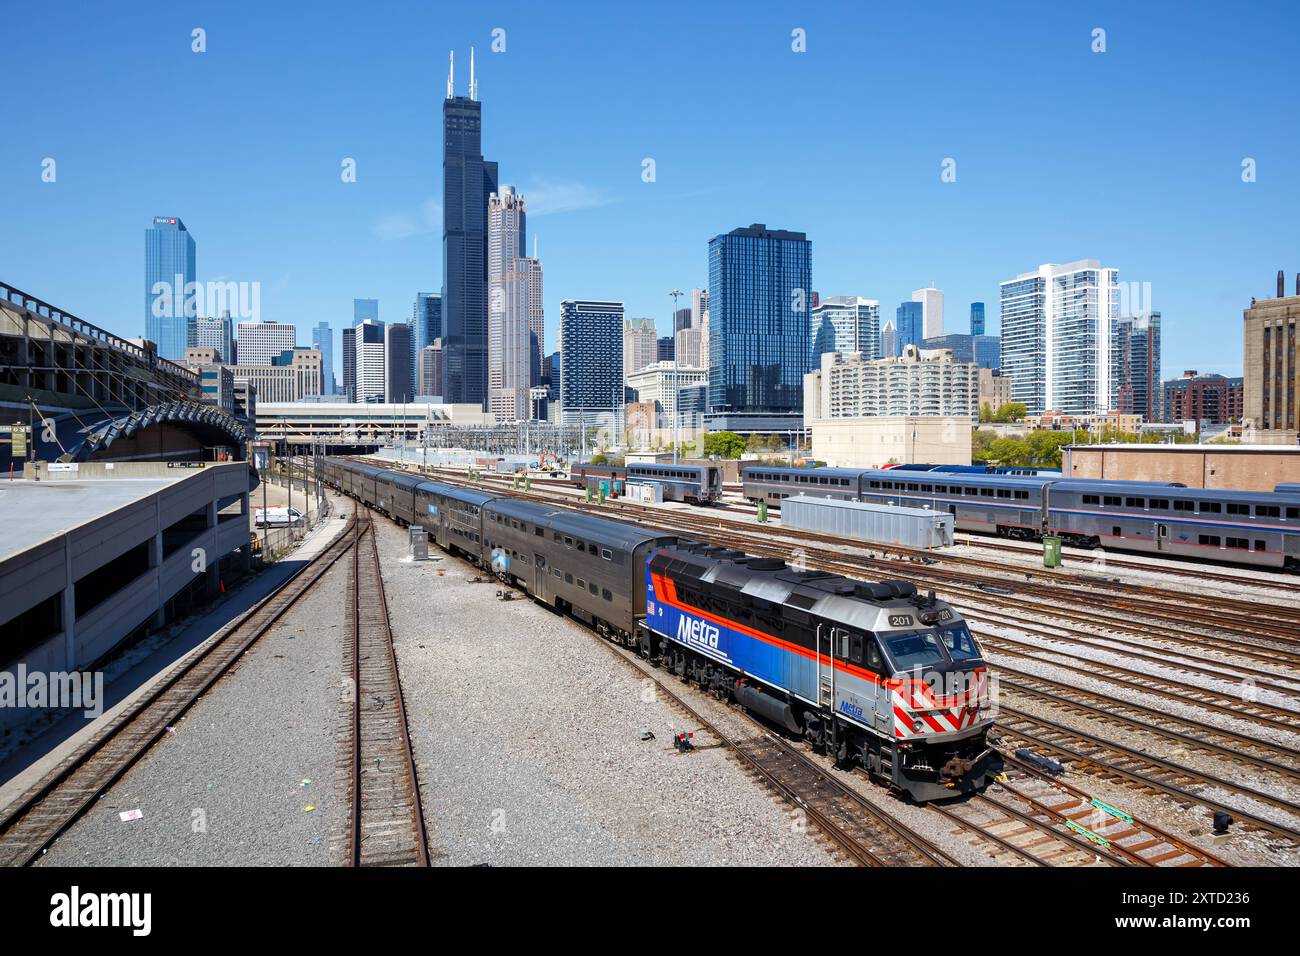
(677, 388)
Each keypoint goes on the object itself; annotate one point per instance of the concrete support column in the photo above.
(155, 563)
(69, 610)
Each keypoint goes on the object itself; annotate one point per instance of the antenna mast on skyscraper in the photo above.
(451, 74)
(473, 85)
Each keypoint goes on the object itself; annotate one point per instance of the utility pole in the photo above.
(677, 391)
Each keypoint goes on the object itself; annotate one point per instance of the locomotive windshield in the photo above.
(959, 642)
(915, 650)
(952, 643)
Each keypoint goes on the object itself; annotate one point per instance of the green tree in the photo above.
(600, 459)
(723, 445)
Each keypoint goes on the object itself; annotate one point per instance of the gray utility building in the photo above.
(95, 552)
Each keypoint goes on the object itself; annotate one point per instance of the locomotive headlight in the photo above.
(917, 726)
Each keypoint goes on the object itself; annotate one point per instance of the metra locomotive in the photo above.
(875, 674)
(1225, 526)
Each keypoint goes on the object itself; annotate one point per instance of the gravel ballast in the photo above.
(528, 740)
(226, 788)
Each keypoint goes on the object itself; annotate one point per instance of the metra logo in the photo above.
(694, 631)
(853, 710)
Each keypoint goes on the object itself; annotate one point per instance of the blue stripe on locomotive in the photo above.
(770, 663)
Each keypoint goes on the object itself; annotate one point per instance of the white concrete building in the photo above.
(915, 383)
(654, 383)
(931, 300)
(257, 343)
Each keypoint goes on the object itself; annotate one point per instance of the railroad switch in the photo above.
(683, 742)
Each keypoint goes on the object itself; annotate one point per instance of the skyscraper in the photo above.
(169, 293)
(977, 318)
(931, 300)
(216, 334)
(1135, 366)
(398, 385)
(760, 281)
(322, 339)
(1056, 336)
(908, 325)
(363, 310)
(845, 323)
(371, 383)
(514, 308)
(640, 347)
(467, 182)
(262, 342)
(427, 315)
(591, 360)
(889, 341)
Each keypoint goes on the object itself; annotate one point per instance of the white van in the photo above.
(276, 517)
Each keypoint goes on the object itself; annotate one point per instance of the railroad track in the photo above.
(1230, 621)
(53, 804)
(1280, 620)
(1032, 818)
(1132, 767)
(386, 822)
(1123, 763)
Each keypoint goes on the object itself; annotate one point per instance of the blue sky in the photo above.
(1132, 156)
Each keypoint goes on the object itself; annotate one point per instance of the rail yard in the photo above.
(1143, 712)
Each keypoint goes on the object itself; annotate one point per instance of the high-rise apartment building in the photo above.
(977, 318)
(591, 360)
(170, 300)
(915, 383)
(760, 281)
(1135, 366)
(467, 182)
(1056, 336)
(845, 323)
(640, 345)
(261, 342)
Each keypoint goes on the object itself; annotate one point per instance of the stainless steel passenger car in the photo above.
(763, 483)
(1238, 527)
(690, 483)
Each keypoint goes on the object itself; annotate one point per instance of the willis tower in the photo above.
(467, 182)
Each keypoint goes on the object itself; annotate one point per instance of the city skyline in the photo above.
(286, 220)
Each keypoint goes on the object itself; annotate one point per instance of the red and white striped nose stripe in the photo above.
(914, 700)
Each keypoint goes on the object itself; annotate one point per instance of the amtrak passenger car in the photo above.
(771, 484)
(873, 673)
(694, 484)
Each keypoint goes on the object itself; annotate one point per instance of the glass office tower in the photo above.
(760, 283)
(169, 257)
